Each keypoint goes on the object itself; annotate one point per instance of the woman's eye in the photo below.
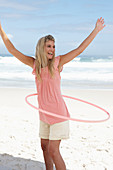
(49, 46)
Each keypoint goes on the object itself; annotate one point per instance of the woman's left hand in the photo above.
(100, 24)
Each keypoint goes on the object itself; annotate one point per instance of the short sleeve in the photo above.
(34, 69)
(57, 63)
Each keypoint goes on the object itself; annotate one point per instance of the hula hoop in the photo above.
(69, 118)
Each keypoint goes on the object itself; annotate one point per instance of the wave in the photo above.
(89, 64)
(10, 60)
(100, 77)
(86, 68)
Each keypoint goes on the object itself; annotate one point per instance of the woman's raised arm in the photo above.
(74, 53)
(10, 47)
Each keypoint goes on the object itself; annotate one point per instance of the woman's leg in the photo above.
(54, 152)
(46, 154)
(50, 145)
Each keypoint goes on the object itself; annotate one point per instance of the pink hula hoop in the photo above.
(69, 118)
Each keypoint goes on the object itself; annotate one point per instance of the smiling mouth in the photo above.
(50, 53)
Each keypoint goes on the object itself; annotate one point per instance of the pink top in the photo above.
(49, 95)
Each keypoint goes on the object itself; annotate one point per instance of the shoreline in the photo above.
(62, 88)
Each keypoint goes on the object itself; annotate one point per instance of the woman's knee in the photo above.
(44, 144)
(53, 148)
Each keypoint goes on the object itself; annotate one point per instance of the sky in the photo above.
(69, 21)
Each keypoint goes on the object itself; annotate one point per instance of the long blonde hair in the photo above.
(41, 59)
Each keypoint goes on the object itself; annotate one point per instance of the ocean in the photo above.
(84, 72)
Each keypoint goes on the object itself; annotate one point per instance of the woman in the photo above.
(47, 68)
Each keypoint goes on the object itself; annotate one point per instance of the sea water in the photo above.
(91, 72)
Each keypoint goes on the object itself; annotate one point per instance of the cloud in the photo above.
(10, 36)
(9, 15)
(16, 5)
(98, 5)
(70, 28)
(16, 9)
(109, 28)
(44, 2)
(64, 28)
(26, 6)
(53, 0)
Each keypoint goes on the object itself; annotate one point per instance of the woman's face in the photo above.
(49, 49)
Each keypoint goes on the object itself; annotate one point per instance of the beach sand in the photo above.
(90, 146)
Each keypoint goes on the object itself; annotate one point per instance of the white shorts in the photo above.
(57, 131)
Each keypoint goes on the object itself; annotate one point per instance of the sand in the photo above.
(90, 146)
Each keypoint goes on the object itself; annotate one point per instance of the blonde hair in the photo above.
(41, 59)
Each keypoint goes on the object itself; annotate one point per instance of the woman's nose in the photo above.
(52, 49)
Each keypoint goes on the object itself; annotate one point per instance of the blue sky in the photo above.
(69, 21)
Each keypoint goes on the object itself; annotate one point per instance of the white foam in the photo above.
(10, 60)
(90, 64)
(12, 68)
